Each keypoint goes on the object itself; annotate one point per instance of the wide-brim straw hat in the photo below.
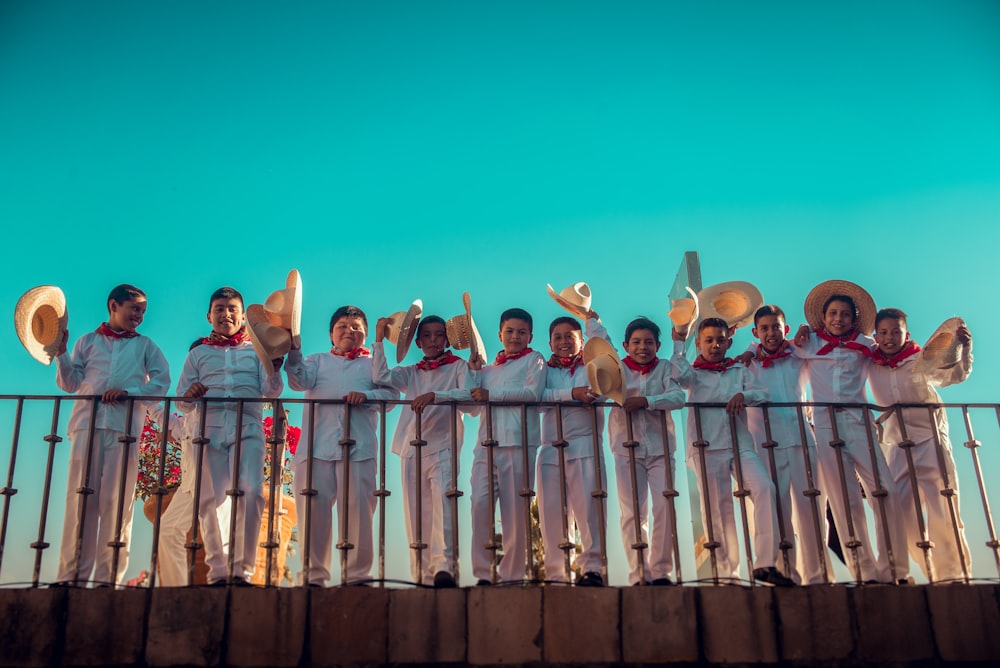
(684, 311)
(283, 308)
(40, 319)
(402, 327)
(733, 301)
(462, 331)
(605, 370)
(818, 296)
(269, 340)
(943, 350)
(576, 298)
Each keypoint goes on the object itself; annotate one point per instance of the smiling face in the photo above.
(226, 315)
(891, 336)
(432, 340)
(565, 340)
(642, 346)
(348, 333)
(713, 343)
(515, 335)
(771, 330)
(126, 316)
(838, 318)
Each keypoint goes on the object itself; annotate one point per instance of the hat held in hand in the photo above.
(269, 340)
(605, 370)
(283, 308)
(576, 298)
(943, 350)
(402, 327)
(40, 320)
(462, 332)
(684, 311)
(733, 301)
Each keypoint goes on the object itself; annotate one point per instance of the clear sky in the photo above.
(392, 151)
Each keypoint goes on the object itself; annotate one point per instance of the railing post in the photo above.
(741, 493)
(700, 444)
(852, 542)
(40, 545)
(769, 444)
(8, 490)
(639, 545)
(344, 544)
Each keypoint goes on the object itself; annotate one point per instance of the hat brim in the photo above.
(573, 309)
(598, 347)
(943, 350)
(819, 295)
(476, 347)
(407, 329)
(266, 351)
(754, 299)
(684, 325)
(40, 320)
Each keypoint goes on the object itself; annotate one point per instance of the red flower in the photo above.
(292, 438)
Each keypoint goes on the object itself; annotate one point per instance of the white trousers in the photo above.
(583, 509)
(945, 557)
(175, 523)
(651, 480)
(720, 470)
(858, 460)
(100, 516)
(355, 513)
(436, 513)
(509, 478)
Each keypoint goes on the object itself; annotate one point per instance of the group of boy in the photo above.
(834, 357)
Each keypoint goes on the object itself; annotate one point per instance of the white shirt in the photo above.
(329, 376)
(100, 363)
(450, 382)
(837, 377)
(785, 381)
(522, 379)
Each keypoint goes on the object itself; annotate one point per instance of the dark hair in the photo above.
(518, 313)
(768, 309)
(125, 292)
(348, 312)
(890, 313)
(225, 293)
(430, 320)
(842, 298)
(713, 322)
(642, 322)
(564, 320)
(197, 342)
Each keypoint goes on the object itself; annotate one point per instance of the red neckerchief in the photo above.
(643, 369)
(447, 357)
(216, 339)
(766, 359)
(879, 358)
(503, 358)
(702, 363)
(847, 341)
(570, 363)
(112, 334)
(360, 351)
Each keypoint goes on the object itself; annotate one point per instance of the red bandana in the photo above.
(702, 363)
(354, 354)
(570, 363)
(503, 358)
(643, 369)
(911, 348)
(848, 341)
(447, 357)
(216, 339)
(112, 334)
(766, 359)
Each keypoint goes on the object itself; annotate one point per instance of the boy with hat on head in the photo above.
(903, 373)
(838, 357)
(226, 365)
(566, 381)
(345, 372)
(441, 376)
(517, 375)
(715, 378)
(114, 362)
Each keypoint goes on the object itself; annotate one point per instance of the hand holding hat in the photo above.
(40, 320)
(576, 299)
(684, 312)
(400, 328)
(462, 332)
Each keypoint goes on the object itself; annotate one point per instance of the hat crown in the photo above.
(577, 294)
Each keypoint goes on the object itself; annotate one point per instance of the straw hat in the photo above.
(684, 311)
(819, 294)
(40, 318)
(575, 299)
(462, 332)
(734, 301)
(943, 350)
(402, 327)
(605, 370)
(283, 308)
(269, 340)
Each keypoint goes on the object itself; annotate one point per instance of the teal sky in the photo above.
(391, 151)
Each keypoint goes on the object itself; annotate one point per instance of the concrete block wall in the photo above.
(501, 626)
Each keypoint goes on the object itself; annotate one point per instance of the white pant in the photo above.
(858, 460)
(509, 478)
(582, 507)
(436, 512)
(98, 521)
(720, 470)
(356, 510)
(946, 561)
(175, 523)
(651, 480)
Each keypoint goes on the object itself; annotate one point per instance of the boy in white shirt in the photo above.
(899, 375)
(114, 362)
(345, 372)
(441, 376)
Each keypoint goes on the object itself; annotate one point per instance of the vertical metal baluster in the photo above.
(972, 444)
(236, 494)
(9, 490)
(491, 542)
(159, 492)
(852, 541)
(880, 493)
(671, 494)
(639, 545)
(600, 494)
(278, 423)
(813, 495)
(381, 493)
(526, 494)
(949, 493)
(418, 544)
(116, 543)
(344, 545)
(454, 493)
(741, 493)
(52, 438)
(309, 492)
(566, 545)
(924, 542)
(193, 545)
(769, 444)
(700, 444)
(85, 489)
